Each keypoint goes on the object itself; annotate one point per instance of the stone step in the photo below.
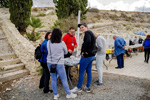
(13, 75)
(11, 68)
(8, 56)
(2, 37)
(9, 62)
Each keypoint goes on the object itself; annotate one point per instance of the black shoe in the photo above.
(40, 87)
(118, 67)
(98, 84)
(96, 81)
(47, 91)
(87, 89)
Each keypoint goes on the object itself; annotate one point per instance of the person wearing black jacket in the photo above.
(88, 52)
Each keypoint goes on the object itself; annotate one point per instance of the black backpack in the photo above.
(38, 53)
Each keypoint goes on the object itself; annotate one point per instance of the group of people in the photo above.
(56, 48)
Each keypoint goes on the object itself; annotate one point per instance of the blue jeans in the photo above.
(85, 64)
(60, 70)
(120, 60)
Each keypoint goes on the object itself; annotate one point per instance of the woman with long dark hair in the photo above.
(44, 81)
(56, 50)
(146, 45)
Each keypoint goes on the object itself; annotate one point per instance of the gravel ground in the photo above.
(116, 87)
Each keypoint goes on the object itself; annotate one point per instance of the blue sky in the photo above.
(124, 5)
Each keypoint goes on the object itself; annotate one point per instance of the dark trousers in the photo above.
(147, 53)
(44, 81)
(68, 67)
(120, 60)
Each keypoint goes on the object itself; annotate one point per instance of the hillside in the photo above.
(99, 21)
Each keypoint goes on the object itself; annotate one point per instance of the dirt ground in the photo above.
(115, 87)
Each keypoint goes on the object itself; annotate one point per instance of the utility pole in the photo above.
(78, 42)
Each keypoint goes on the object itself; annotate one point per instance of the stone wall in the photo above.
(22, 47)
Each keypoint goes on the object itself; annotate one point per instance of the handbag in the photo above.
(53, 66)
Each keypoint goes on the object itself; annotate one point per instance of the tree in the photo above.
(35, 23)
(65, 8)
(20, 11)
(4, 3)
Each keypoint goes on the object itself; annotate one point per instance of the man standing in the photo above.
(71, 43)
(101, 54)
(119, 45)
(87, 57)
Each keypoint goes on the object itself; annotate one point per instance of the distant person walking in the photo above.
(44, 81)
(119, 45)
(100, 57)
(87, 57)
(146, 45)
(71, 43)
(56, 50)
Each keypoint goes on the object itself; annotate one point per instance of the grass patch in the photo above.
(124, 25)
(35, 9)
(40, 15)
(130, 19)
(113, 16)
(138, 25)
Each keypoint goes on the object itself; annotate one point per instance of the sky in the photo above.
(123, 5)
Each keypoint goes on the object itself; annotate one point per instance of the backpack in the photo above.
(38, 53)
(147, 43)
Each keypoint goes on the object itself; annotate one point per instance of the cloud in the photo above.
(43, 3)
(122, 5)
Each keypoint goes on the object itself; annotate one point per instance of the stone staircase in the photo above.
(11, 66)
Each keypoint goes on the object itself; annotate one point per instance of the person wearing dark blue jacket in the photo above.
(119, 45)
(146, 45)
(44, 81)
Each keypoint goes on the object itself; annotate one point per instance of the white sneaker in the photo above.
(75, 90)
(72, 95)
(56, 97)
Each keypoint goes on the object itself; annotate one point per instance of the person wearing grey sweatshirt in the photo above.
(100, 56)
(56, 50)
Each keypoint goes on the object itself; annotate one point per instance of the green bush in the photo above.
(65, 23)
(113, 16)
(138, 25)
(20, 11)
(40, 15)
(4, 3)
(130, 19)
(124, 25)
(35, 9)
(52, 13)
(123, 15)
(35, 23)
(33, 37)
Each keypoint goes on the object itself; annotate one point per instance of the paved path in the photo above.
(134, 66)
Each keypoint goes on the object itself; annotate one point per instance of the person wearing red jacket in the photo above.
(71, 43)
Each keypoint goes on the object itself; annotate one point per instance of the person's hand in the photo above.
(86, 53)
(82, 54)
(123, 47)
(70, 51)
